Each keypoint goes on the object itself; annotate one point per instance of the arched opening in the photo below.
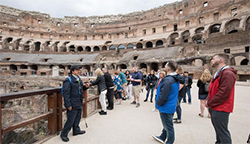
(37, 46)
(79, 48)
(123, 66)
(199, 30)
(248, 23)
(244, 62)
(63, 49)
(139, 45)
(88, 49)
(87, 67)
(121, 47)
(112, 66)
(173, 37)
(16, 43)
(149, 44)
(55, 46)
(23, 67)
(104, 48)
(185, 36)
(112, 47)
(8, 40)
(154, 66)
(26, 47)
(34, 67)
(232, 26)
(159, 43)
(96, 48)
(198, 39)
(163, 64)
(13, 67)
(130, 46)
(72, 48)
(143, 65)
(214, 28)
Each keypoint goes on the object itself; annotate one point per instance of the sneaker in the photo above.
(177, 121)
(117, 103)
(154, 110)
(102, 112)
(157, 138)
(137, 105)
(133, 102)
(123, 98)
(145, 100)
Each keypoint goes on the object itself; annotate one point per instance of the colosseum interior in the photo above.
(189, 32)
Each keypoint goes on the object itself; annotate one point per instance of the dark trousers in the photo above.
(220, 122)
(152, 93)
(110, 98)
(73, 120)
(187, 91)
(178, 108)
(116, 93)
(168, 128)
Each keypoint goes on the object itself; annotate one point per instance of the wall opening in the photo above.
(143, 65)
(244, 62)
(154, 66)
(72, 48)
(149, 45)
(96, 48)
(112, 47)
(214, 28)
(23, 67)
(37, 46)
(247, 49)
(13, 67)
(104, 48)
(139, 45)
(130, 46)
(80, 49)
(88, 49)
(159, 43)
(123, 66)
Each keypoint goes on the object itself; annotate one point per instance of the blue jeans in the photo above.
(152, 93)
(116, 93)
(168, 128)
(178, 108)
(187, 91)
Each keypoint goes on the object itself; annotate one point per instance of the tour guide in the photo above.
(73, 88)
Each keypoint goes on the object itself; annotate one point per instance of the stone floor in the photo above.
(129, 125)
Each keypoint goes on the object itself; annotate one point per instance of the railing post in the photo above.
(98, 102)
(1, 122)
(59, 111)
(85, 106)
(52, 121)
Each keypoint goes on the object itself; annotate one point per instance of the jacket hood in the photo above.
(231, 69)
(177, 77)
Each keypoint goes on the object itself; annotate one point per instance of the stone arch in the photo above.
(37, 46)
(159, 43)
(130, 46)
(34, 67)
(154, 66)
(96, 48)
(185, 36)
(139, 45)
(244, 62)
(239, 60)
(72, 48)
(123, 66)
(88, 49)
(79, 49)
(143, 65)
(87, 67)
(172, 38)
(149, 44)
(13, 67)
(232, 26)
(104, 48)
(17, 43)
(6, 43)
(23, 66)
(55, 46)
(47, 46)
(112, 47)
(199, 30)
(113, 66)
(248, 23)
(9, 39)
(215, 28)
(63, 48)
(121, 46)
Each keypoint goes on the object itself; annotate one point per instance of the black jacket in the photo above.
(190, 82)
(100, 81)
(201, 86)
(108, 80)
(182, 91)
(73, 93)
(151, 81)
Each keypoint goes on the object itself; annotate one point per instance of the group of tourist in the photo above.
(171, 84)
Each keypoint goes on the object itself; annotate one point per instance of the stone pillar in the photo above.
(148, 67)
(55, 71)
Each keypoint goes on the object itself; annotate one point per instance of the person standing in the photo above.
(129, 84)
(124, 83)
(180, 96)
(187, 86)
(73, 88)
(110, 88)
(136, 86)
(151, 82)
(166, 100)
(118, 88)
(100, 81)
(205, 78)
(220, 100)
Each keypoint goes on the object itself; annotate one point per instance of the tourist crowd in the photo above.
(168, 88)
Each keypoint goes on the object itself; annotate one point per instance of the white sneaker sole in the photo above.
(160, 141)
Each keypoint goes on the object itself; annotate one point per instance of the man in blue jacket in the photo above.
(166, 100)
(73, 88)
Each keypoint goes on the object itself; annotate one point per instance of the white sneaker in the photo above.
(154, 110)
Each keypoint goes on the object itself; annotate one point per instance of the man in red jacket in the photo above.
(221, 97)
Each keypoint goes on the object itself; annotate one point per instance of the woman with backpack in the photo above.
(118, 88)
(150, 85)
(203, 84)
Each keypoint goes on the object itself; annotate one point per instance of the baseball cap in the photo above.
(73, 67)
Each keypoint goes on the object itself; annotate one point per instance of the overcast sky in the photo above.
(61, 8)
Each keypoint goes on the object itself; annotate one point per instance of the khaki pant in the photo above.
(136, 90)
